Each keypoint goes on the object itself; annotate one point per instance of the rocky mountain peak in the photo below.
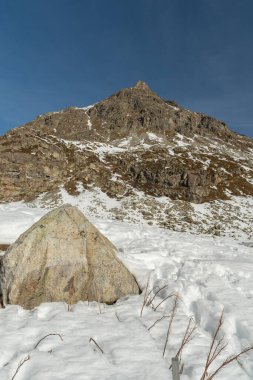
(140, 85)
(133, 142)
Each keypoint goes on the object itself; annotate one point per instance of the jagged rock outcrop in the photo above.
(63, 257)
(132, 141)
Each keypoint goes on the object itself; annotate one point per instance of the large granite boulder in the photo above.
(63, 257)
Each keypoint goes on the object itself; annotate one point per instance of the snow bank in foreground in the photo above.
(209, 274)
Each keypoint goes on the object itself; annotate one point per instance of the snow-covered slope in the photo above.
(208, 274)
(233, 217)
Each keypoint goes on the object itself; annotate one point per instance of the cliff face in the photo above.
(133, 141)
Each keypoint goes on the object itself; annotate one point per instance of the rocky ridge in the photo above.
(131, 143)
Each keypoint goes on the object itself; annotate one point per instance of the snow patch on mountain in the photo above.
(232, 217)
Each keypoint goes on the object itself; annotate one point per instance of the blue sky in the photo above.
(58, 53)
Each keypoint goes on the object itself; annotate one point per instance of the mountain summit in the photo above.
(142, 86)
(133, 142)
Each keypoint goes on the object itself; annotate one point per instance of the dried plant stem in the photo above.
(216, 347)
(149, 302)
(190, 329)
(148, 299)
(93, 340)
(241, 365)
(230, 360)
(188, 335)
(169, 296)
(145, 296)
(170, 323)
(69, 307)
(117, 317)
(45, 338)
(20, 365)
(158, 320)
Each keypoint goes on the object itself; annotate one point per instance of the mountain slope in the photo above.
(132, 143)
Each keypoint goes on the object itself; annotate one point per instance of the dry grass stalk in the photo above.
(149, 301)
(190, 329)
(93, 340)
(117, 317)
(158, 320)
(216, 347)
(44, 337)
(170, 323)
(20, 365)
(169, 296)
(69, 307)
(229, 360)
(145, 296)
(188, 336)
(241, 365)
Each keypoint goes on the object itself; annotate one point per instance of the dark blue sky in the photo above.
(58, 53)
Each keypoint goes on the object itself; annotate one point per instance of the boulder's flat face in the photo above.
(63, 257)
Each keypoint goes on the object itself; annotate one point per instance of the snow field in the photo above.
(124, 343)
(209, 274)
